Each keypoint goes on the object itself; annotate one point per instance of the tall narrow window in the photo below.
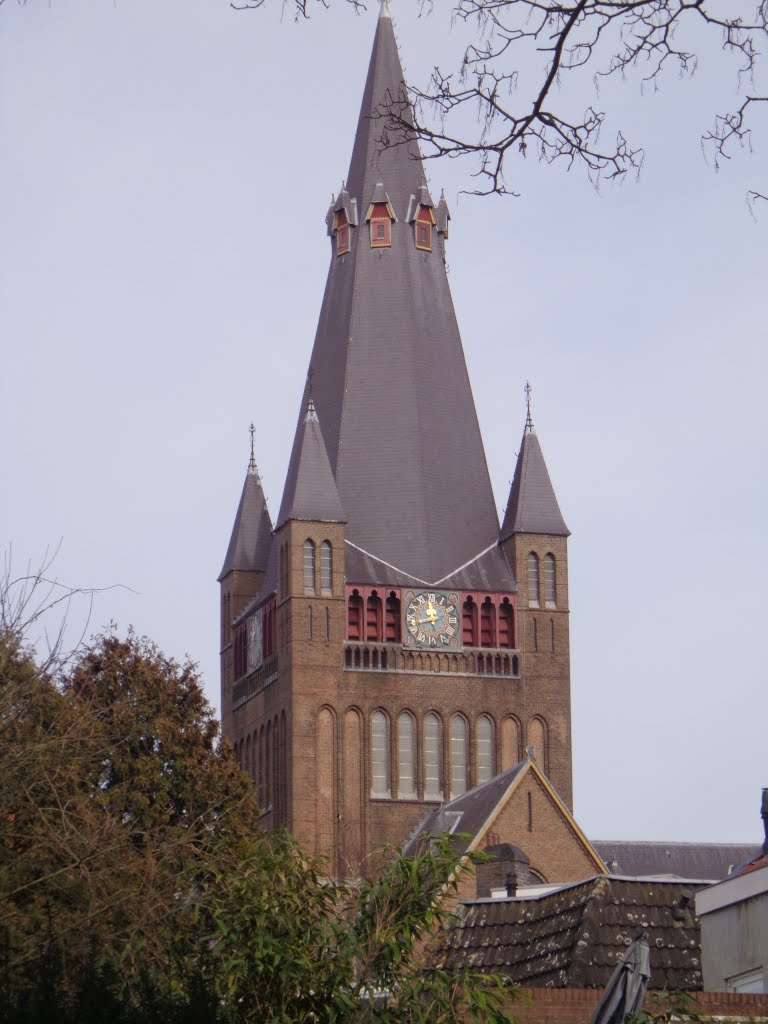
(433, 782)
(326, 568)
(488, 623)
(355, 616)
(309, 623)
(373, 618)
(552, 635)
(533, 580)
(392, 632)
(327, 624)
(268, 769)
(309, 567)
(485, 751)
(535, 636)
(458, 756)
(506, 624)
(469, 623)
(549, 581)
(379, 755)
(406, 757)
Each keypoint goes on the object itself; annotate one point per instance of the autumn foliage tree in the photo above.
(135, 885)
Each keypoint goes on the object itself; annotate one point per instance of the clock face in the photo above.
(431, 619)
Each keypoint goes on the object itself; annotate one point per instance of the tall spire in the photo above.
(532, 505)
(248, 548)
(390, 382)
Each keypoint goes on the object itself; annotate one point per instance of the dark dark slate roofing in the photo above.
(249, 544)
(532, 505)
(310, 491)
(467, 813)
(710, 861)
(573, 937)
(389, 377)
(490, 571)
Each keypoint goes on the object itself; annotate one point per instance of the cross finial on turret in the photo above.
(252, 461)
(528, 420)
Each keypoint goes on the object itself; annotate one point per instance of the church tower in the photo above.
(376, 657)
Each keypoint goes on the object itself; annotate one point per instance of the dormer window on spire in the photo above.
(380, 217)
(421, 213)
(341, 218)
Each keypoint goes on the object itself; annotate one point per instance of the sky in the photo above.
(165, 170)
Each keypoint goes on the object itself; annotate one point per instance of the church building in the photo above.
(386, 644)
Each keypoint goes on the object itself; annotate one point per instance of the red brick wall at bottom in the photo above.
(577, 1006)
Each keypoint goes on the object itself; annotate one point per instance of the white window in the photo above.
(749, 981)
(433, 783)
(379, 755)
(326, 568)
(309, 567)
(533, 580)
(484, 749)
(549, 581)
(406, 754)
(458, 756)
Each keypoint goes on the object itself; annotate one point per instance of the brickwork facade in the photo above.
(577, 1006)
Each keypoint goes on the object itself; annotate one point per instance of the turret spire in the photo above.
(248, 549)
(532, 505)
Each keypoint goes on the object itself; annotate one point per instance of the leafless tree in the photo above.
(517, 115)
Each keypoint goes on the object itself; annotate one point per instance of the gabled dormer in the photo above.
(421, 213)
(341, 218)
(380, 217)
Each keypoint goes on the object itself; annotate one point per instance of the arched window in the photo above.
(373, 623)
(379, 754)
(392, 619)
(433, 777)
(469, 623)
(485, 751)
(549, 581)
(268, 769)
(355, 616)
(537, 738)
(247, 766)
(309, 567)
(506, 624)
(260, 778)
(488, 623)
(552, 635)
(458, 756)
(533, 580)
(406, 757)
(326, 568)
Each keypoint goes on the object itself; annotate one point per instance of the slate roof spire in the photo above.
(249, 543)
(532, 505)
(310, 491)
(390, 382)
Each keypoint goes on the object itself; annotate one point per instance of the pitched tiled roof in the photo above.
(310, 491)
(573, 938)
(466, 813)
(389, 378)
(248, 548)
(710, 861)
(532, 505)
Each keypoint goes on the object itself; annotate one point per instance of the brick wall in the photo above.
(577, 1006)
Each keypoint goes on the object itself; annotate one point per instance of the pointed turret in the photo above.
(310, 493)
(532, 505)
(248, 549)
(390, 381)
